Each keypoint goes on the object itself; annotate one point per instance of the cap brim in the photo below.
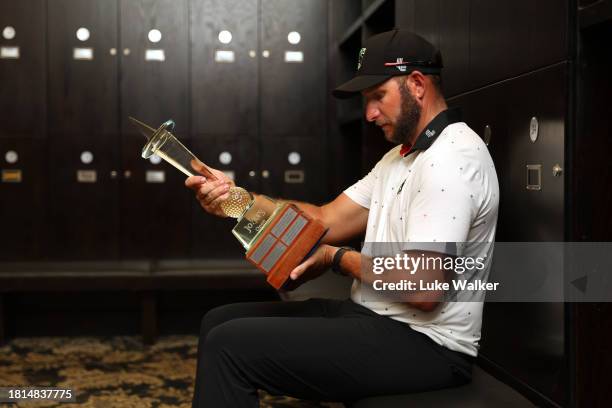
(358, 84)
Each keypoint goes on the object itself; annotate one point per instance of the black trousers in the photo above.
(318, 349)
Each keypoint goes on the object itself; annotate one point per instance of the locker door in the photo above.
(154, 63)
(155, 206)
(82, 129)
(83, 68)
(292, 169)
(238, 157)
(427, 20)
(526, 215)
(224, 67)
(495, 39)
(22, 199)
(293, 68)
(22, 69)
(454, 45)
(539, 208)
(547, 27)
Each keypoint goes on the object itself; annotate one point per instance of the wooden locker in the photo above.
(23, 199)
(212, 236)
(154, 74)
(83, 145)
(224, 75)
(154, 87)
(22, 69)
(295, 169)
(293, 76)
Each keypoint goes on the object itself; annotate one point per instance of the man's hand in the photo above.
(312, 267)
(210, 193)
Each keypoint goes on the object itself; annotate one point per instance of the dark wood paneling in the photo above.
(381, 19)
(224, 95)
(275, 160)
(155, 217)
(342, 14)
(498, 39)
(23, 89)
(541, 213)
(526, 215)
(590, 200)
(427, 20)
(22, 205)
(82, 217)
(82, 93)
(155, 91)
(455, 46)
(510, 37)
(547, 27)
(293, 95)
(404, 14)
(212, 236)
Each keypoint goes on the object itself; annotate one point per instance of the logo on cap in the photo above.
(430, 133)
(361, 54)
(399, 62)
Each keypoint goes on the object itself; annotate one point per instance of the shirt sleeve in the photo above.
(444, 204)
(361, 191)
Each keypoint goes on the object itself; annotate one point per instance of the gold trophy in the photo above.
(277, 236)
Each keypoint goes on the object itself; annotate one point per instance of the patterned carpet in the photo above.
(113, 372)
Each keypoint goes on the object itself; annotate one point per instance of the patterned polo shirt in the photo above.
(443, 189)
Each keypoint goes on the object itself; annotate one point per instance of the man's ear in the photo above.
(416, 83)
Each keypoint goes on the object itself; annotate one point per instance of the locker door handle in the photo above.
(113, 174)
(127, 174)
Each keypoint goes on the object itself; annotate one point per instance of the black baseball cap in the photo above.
(388, 54)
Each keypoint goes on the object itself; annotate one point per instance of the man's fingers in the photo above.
(203, 191)
(215, 193)
(206, 188)
(300, 269)
(295, 273)
(194, 182)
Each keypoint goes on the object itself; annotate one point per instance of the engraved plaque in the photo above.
(294, 176)
(155, 55)
(82, 53)
(224, 56)
(294, 56)
(9, 52)
(155, 176)
(11, 176)
(87, 176)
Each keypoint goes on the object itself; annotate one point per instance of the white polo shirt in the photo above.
(447, 193)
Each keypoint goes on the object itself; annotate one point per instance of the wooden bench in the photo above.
(144, 278)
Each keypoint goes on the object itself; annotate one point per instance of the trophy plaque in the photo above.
(277, 236)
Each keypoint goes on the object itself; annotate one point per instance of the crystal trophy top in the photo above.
(276, 236)
(163, 143)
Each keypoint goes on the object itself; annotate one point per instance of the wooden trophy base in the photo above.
(284, 244)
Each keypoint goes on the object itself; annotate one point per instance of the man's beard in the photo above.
(409, 117)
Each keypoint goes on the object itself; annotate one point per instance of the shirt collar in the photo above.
(432, 131)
